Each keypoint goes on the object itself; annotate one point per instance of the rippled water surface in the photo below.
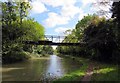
(38, 69)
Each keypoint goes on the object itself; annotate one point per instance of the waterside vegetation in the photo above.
(17, 27)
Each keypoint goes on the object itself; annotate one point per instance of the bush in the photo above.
(14, 56)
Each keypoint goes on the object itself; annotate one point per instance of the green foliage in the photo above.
(16, 27)
(82, 25)
(105, 72)
(101, 39)
(43, 50)
(115, 11)
(75, 75)
(32, 30)
(14, 56)
(76, 36)
(99, 35)
(28, 30)
(14, 12)
(47, 50)
(116, 15)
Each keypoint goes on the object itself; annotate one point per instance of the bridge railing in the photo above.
(61, 40)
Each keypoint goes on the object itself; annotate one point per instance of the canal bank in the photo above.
(75, 75)
(92, 71)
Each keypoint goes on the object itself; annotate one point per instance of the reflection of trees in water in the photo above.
(70, 65)
(40, 68)
(32, 71)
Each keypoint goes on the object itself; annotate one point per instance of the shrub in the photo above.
(14, 56)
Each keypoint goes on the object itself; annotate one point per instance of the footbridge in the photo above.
(55, 40)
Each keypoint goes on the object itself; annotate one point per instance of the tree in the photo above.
(14, 11)
(15, 30)
(102, 7)
(47, 50)
(100, 39)
(116, 15)
(77, 35)
(81, 25)
(115, 9)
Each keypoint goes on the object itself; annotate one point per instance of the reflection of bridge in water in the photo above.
(50, 40)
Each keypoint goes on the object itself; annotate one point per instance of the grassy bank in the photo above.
(101, 71)
(105, 72)
(75, 75)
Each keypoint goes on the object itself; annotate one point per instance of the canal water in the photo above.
(44, 68)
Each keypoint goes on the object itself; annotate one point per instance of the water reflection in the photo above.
(39, 69)
(55, 68)
(31, 70)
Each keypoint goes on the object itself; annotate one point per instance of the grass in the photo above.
(105, 72)
(101, 72)
(75, 75)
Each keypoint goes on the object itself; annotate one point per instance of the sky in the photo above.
(57, 16)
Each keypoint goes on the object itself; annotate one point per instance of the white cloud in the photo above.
(61, 30)
(56, 3)
(70, 11)
(86, 2)
(55, 19)
(82, 15)
(67, 12)
(15, 0)
(38, 7)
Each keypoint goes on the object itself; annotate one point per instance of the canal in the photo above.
(38, 69)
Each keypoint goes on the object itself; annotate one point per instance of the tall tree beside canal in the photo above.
(16, 27)
(99, 35)
(14, 12)
(78, 35)
(116, 15)
(100, 39)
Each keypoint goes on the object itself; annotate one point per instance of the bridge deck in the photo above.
(52, 43)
